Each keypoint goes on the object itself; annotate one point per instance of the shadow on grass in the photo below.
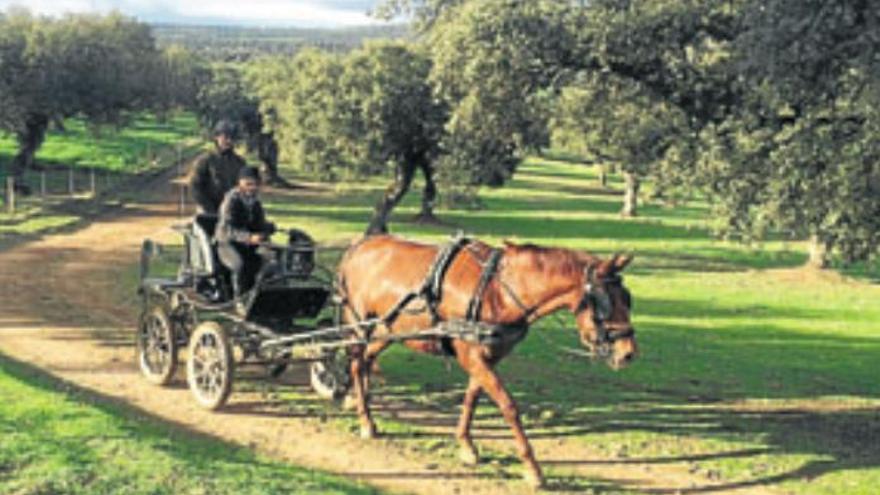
(750, 380)
(197, 453)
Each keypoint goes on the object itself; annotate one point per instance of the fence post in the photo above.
(71, 189)
(92, 185)
(181, 211)
(179, 159)
(43, 183)
(10, 194)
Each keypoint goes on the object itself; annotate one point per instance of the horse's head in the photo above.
(602, 313)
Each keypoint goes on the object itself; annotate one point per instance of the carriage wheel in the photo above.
(210, 365)
(156, 346)
(330, 377)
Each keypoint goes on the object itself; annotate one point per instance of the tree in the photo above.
(359, 113)
(498, 63)
(178, 78)
(615, 120)
(801, 155)
(495, 64)
(301, 101)
(227, 95)
(94, 67)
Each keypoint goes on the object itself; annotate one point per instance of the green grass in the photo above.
(56, 440)
(752, 372)
(113, 159)
(122, 150)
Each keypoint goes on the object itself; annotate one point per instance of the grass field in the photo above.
(78, 156)
(753, 371)
(57, 440)
(123, 150)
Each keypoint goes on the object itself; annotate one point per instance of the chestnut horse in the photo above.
(530, 282)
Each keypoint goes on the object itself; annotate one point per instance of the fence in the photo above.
(55, 184)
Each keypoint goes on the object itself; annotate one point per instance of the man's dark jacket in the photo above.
(213, 175)
(240, 218)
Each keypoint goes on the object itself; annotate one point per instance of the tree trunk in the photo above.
(818, 253)
(29, 140)
(429, 195)
(267, 151)
(603, 176)
(631, 195)
(404, 176)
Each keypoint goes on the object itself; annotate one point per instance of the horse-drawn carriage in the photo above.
(290, 304)
(465, 299)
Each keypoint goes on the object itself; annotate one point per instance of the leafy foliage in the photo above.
(103, 69)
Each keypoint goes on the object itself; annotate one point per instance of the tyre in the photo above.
(156, 346)
(330, 377)
(210, 366)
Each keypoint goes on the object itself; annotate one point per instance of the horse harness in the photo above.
(469, 329)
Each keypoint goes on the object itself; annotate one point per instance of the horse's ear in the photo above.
(508, 243)
(621, 261)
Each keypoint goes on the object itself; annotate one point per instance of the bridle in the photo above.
(599, 300)
(596, 297)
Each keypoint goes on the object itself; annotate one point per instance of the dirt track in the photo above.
(60, 310)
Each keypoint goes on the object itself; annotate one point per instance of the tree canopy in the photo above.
(98, 68)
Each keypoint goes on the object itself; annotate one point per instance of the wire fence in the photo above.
(54, 184)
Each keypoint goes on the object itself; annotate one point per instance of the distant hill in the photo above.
(240, 43)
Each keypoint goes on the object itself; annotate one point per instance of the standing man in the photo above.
(216, 172)
(241, 229)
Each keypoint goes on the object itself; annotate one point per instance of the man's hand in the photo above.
(256, 239)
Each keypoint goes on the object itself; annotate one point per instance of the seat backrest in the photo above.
(203, 255)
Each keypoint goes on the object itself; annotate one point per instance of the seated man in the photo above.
(241, 228)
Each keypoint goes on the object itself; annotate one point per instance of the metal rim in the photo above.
(209, 368)
(157, 348)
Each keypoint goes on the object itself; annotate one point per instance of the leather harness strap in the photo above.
(432, 289)
(489, 271)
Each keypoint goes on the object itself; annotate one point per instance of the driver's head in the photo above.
(249, 181)
(225, 133)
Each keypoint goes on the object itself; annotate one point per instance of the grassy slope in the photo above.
(752, 372)
(53, 440)
(115, 154)
(123, 150)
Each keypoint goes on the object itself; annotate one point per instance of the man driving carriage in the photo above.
(241, 229)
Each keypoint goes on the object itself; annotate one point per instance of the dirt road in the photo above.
(61, 308)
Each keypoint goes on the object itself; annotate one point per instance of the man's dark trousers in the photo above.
(243, 261)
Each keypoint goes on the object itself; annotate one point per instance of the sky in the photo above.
(303, 13)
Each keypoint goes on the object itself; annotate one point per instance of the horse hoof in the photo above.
(349, 403)
(534, 480)
(468, 456)
(368, 433)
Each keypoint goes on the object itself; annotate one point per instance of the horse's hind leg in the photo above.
(467, 452)
(474, 363)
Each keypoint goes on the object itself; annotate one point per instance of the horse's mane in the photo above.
(567, 262)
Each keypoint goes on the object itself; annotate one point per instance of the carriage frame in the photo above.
(292, 314)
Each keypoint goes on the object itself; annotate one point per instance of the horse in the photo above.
(528, 283)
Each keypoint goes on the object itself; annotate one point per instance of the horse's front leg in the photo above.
(480, 370)
(360, 377)
(359, 382)
(467, 451)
